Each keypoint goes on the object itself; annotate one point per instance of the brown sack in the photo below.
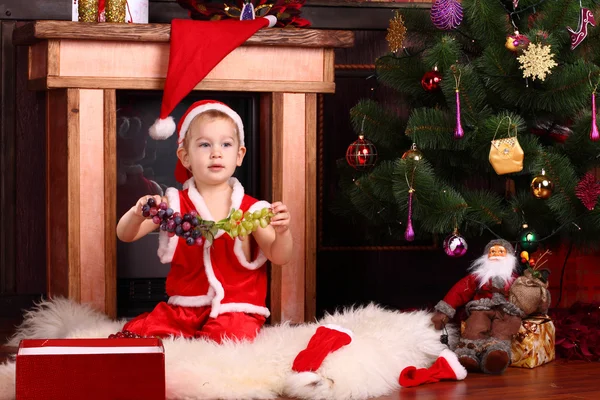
(530, 294)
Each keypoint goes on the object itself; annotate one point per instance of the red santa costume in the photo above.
(493, 320)
(213, 290)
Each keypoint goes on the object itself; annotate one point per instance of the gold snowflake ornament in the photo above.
(537, 61)
(396, 33)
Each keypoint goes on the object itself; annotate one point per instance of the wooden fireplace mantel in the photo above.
(81, 66)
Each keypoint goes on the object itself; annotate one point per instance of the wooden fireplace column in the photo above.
(81, 66)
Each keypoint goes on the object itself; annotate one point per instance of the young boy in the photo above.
(215, 291)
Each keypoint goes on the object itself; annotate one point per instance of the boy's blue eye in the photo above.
(227, 144)
(204, 145)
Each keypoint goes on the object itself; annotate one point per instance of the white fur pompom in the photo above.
(163, 128)
(272, 20)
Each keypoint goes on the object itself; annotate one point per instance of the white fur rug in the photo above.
(384, 343)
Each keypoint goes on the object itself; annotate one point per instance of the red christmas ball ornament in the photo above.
(361, 154)
(431, 80)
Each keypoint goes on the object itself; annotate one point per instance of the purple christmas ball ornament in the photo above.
(455, 245)
(446, 14)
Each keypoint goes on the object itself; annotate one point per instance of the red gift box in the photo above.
(107, 369)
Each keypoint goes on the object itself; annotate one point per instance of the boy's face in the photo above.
(213, 151)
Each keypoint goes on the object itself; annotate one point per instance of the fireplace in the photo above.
(82, 67)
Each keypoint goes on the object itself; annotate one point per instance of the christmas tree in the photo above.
(500, 136)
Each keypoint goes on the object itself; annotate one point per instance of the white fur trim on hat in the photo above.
(457, 368)
(339, 329)
(163, 128)
(185, 125)
(272, 20)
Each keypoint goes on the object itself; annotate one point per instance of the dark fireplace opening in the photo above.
(146, 166)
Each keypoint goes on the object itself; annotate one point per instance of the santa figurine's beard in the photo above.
(486, 268)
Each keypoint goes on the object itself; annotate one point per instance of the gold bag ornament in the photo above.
(506, 154)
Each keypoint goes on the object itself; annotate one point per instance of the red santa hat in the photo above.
(446, 367)
(196, 48)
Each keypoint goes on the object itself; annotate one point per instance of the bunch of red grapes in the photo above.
(195, 230)
(187, 226)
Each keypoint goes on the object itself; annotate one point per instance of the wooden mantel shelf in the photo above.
(81, 66)
(33, 32)
(65, 54)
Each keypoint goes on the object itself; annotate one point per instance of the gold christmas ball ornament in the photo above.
(510, 44)
(413, 154)
(542, 187)
(396, 33)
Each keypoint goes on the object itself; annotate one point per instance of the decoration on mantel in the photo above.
(126, 11)
(114, 10)
(286, 11)
(87, 10)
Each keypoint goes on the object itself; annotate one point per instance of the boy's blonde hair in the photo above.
(208, 116)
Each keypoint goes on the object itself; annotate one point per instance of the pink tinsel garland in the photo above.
(578, 331)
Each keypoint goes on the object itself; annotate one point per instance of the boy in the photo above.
(216, 291)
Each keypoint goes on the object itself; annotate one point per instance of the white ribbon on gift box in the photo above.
(30, 351)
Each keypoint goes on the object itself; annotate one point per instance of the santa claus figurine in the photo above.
(492, 321)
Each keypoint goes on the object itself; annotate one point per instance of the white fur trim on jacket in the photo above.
(213, 281)
(166, 244)
(259, 205)
(457, 368)
(237, 195)
(237, 245)
(207, 107)
(245, 308)
(258, 262)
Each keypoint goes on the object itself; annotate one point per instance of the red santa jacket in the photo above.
(216, 275)
(467, 290)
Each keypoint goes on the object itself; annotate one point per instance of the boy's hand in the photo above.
(281, 220)
(137, 209)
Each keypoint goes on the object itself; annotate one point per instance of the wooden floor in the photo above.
(559, 379)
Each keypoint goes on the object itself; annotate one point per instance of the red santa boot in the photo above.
(306, 382)
(446, 367)
(327, 339)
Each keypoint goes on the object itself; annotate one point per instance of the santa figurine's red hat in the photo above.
(196, 48)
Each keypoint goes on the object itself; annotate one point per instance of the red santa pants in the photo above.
(195, 322)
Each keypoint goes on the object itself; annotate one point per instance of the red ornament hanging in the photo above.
(459, 133)
(431, 80)
(594, 135)
(588, 191)
(586, 17)
(361, 154)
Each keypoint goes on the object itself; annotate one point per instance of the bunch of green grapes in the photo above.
(242, 224)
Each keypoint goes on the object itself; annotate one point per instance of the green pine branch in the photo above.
(455, 184)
